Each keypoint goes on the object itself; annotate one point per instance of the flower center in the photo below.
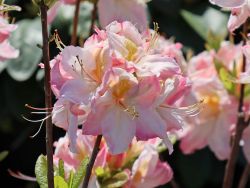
(211, 104)
(120, 89)
(132, 49)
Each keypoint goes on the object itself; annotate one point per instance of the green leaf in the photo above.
(116, 181)
(70, 180)
(211, 20)
(25, 38)
(213, 41)
(247, 91)
(60, 182)
(80, 173)
(41, 171)
(2, 66)
(61, 168)
(3, 155)
(225, 78)
(100, 172)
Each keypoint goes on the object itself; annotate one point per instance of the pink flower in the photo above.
(117, 83)
(149, 171)
(84, 146)
(244, 77)
(6, 50)
(173, 50)
(134, 11)
(229, 54)
(238, 17)
(240, 11)
(5, 29)
(53, 10)
(74, 83)
(134, 109)
(212, 127)
(72, 161)
(146, 169)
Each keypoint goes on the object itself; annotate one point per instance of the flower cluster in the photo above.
(118, 86)
(213, 125)
(215, 75)
(138, 167)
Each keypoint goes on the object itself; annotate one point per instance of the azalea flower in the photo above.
(53, 10)
(240, 11)
(131, 53)
(6, 50)
(149, 171)
(74, 83)
(117, 84)
(140, 162)
(244, 77)
(213, 126)
(171, 49)
(72, 161)
(84, 145)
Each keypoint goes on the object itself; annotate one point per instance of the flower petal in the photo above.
(228, 3)
(150, 125)
(118, 129)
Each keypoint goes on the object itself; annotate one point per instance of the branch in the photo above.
(92, 161)
(75, 23)
(48, 102)
(244, 177)
(93, 18)
(240, 126)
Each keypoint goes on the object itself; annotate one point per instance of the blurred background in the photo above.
(21, 82)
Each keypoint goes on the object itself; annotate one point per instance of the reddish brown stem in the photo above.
(92, 161)
(48, 101)
(241, 124)
(244, 177)
(93, 18)
(75, 23)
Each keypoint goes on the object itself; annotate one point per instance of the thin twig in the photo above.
(92, 161)
(93, 18)
(75, 23)
(241, 124)
(244, 177)
(48, 102)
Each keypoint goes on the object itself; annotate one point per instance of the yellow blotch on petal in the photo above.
(121, 88)
(98, 72)
(141, 172)
(132, 49)
(212, 104)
